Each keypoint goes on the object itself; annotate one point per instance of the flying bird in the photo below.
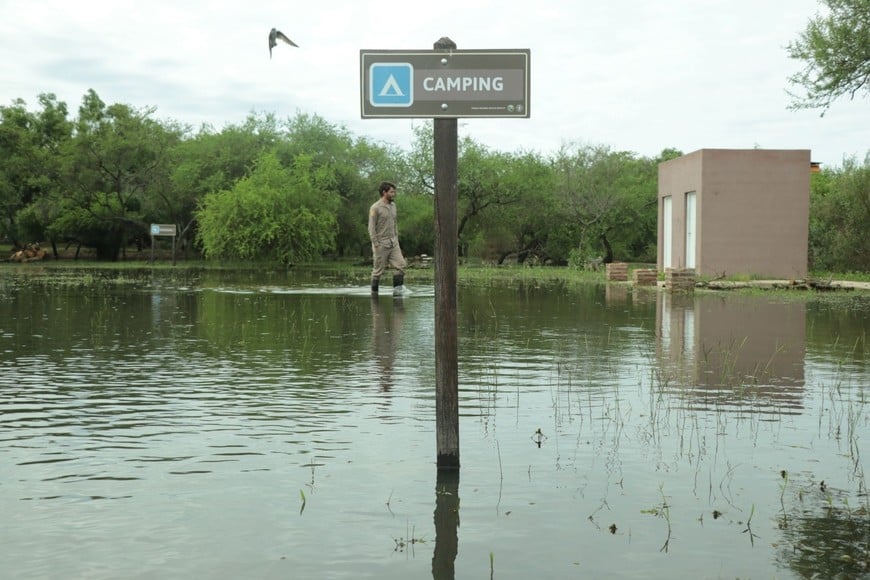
(274, 35)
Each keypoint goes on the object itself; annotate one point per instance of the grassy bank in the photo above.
(472, 274)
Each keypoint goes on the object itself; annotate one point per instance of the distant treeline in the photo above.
(299, 189)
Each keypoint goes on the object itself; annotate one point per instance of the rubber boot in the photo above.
(375, 282)
(398, 284)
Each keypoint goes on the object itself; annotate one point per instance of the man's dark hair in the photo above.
(385, 186)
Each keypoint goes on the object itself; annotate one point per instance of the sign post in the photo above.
(446, 259)
(163, 230)
(445, 84)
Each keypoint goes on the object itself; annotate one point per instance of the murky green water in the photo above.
(272, 425)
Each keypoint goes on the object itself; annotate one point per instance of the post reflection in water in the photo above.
(446, 524)
(386, 332)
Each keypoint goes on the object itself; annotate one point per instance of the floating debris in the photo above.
(538, 437)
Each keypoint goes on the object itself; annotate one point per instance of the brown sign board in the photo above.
(444, 83)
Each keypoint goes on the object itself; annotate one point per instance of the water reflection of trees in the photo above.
(823, 537)
(846, 318)
(301, 328)
(530, 331)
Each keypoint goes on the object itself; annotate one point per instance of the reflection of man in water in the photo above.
(386, 327)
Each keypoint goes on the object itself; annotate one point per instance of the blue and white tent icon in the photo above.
(391, 84)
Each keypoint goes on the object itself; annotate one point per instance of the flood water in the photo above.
(219, 424)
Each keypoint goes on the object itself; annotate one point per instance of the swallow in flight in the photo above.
(276, 34)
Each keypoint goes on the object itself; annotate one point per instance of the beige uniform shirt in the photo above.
(383, 225)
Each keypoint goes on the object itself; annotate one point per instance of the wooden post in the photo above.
(446, 258)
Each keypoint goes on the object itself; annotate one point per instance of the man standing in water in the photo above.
(384, 233)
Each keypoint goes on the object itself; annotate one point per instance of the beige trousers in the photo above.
(387, 256)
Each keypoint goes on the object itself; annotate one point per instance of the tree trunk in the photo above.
(608, 250)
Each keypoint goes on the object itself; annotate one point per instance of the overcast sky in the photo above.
(635, 75)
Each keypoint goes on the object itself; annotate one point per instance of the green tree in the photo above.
(489, 184)
(208, 162)
(512, 210)
(275, 213)
(610, 199)
(821, 184)
(17, 153)
(416, 223)
(357, 166)
(835, 50)
(30, 146)
(840, 218)
(484, 183)
(117, 160)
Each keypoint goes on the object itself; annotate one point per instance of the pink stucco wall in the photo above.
(752, 211)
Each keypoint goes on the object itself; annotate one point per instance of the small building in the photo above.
(727, 212)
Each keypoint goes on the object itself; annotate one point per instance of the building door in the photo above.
(668, 232)
(691, 225)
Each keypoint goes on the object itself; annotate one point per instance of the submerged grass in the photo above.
(850, 276)
(696, 431)
(86, 271)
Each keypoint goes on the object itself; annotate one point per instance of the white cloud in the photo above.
(635, 75)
